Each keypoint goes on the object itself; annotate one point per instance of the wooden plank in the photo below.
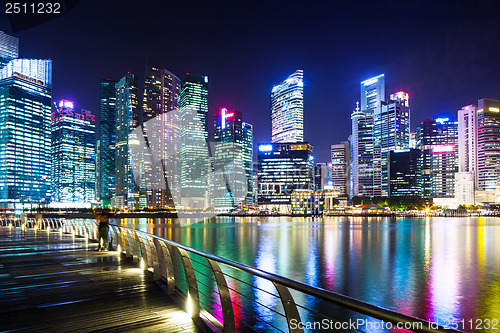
(56, 283)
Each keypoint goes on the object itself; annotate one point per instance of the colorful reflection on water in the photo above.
(440, 269)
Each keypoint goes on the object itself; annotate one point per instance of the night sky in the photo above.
(445, 54)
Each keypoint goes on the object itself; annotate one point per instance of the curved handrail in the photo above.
(327, 295)
(135, 244)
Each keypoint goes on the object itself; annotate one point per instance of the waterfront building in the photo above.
(105, 180)
(25, 109)
(194, 136)
(9, 48)
(340, 162)
(488, 144)
(365, 174)
(404, 173)
(129, 179)
(464, 188)
(161, 102)
(467, 141)
(248, 161)
(307, 202)
(73, 156)
(283, 168)
(230, 183)
(437, 140)
(391, 131)
(287, 109)
(378, 127)
(322, 176)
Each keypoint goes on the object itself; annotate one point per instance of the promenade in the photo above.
(53, 282)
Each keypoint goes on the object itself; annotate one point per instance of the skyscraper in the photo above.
(391, 131)
(365, 175)
(73, 155)
(283, 168)
(340, 168)
(161, 99)
(25, 97)
(372, 92)
(467, 141)
(228, 160)
(404, 173)
(105, 186)
(287, 109)
(129, 180)
(9, 48)
(248, 161)
(488, 144)
(438, 163)
(194, 135)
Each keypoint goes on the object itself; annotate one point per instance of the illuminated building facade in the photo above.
(488, 144)
(25, 108)
(130, 188)
(391, 131)
(365, 175)
(467, 141)
(307, 202)
(73, 155)
(105, 182)
(228, 160)
(438, 141)
(287, 109)
(248, 161)
(9, 48)
(161, 100)
(372, 92)
(340, 168)
(194, 135)
(283, 168)
(404, 173)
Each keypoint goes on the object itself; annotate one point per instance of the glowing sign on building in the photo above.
(444, 149)
(224, 115)
(442, 120)
(65, 104)
(266, 147)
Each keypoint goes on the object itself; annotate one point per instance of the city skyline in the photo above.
(433, 62)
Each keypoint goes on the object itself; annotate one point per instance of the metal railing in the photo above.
(238, 297)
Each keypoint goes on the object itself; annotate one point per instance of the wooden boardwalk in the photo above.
(55, 283)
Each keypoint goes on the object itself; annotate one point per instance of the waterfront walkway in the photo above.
(50, 282)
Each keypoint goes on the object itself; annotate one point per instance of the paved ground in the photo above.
(53, 283)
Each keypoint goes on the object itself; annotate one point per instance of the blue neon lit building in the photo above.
(25, 105)
(73, 155)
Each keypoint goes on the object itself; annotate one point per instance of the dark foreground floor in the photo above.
(53, 283)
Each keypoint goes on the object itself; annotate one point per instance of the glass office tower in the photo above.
(437, 140)
(9, 48)
(161, 99)
(283, 168)
(194, 136)
(230, 179)
(287, 109)
(105, 179)
(248, 160)
(129, 179)
(488, 144)
(73, 155)
(25, 105)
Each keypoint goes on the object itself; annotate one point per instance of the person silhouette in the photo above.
(102, 216)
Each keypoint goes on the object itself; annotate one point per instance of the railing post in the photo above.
(192, 284)
(166, 266)
(290, 308)
(225, 297)
(142, 246)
